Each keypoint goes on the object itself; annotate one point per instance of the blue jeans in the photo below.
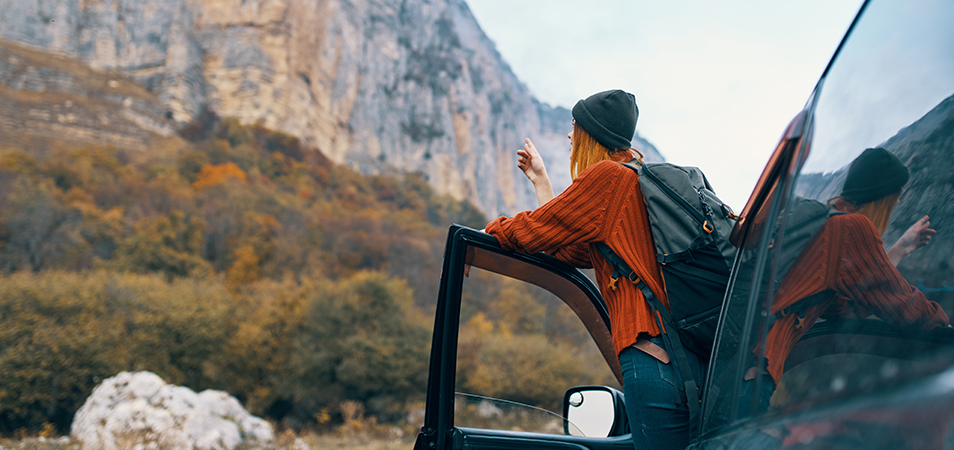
(657, 421)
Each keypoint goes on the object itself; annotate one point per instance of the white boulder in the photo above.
(139, 411)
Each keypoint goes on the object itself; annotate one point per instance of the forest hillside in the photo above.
(247, 264)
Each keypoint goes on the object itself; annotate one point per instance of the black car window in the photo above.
(519, 348)
(818, 309)
(891, 88)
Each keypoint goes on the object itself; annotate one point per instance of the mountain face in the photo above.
(925, 148)
(411, 85)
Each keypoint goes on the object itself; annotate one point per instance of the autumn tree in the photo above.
(168, 244)
(215, 175)
(41, 231)
(241, 261)
(363, 341)
(190, 163)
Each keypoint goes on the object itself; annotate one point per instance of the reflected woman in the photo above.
(873, 188)
(846, 271)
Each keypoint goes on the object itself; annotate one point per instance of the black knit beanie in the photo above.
(608, 116)
(875, 174)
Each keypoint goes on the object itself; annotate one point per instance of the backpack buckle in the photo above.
(728, 213)
(708, 227)
(799, 316)
(612, 283)
(799, 322)
(633, 278)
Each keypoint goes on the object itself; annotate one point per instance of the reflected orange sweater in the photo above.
(603, 204)
(847, 258)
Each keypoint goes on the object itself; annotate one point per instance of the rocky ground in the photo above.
(140, 411)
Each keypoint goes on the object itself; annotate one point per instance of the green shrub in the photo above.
(62, 333)
(191, 163)
(362, 340)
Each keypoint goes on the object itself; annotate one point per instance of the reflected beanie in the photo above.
(608, 116)
(875, 174)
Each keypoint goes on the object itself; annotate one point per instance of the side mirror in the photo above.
(594, 411)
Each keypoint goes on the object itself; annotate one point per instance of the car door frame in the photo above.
(467, 246)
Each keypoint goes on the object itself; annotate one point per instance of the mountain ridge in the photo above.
(412, 86)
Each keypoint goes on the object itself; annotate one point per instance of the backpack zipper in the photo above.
(705, 205)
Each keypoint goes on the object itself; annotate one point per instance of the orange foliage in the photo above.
(212, 175)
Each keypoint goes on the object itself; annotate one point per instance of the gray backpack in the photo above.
(690, 228)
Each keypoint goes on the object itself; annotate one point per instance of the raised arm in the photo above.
(531, 163)
(917, 236)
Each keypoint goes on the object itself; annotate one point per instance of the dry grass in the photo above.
(285, 441)
(334, 441)
(85, 107)
(40, 443)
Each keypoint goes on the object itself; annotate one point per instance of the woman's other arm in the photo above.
(581, 214)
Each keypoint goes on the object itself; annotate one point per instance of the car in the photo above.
(853, 383)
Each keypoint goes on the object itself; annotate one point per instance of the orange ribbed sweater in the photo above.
(847, 258)
(603, 204)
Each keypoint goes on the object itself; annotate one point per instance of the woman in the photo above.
(604, 204)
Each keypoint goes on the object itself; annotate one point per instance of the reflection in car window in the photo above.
(521, 344)
(850, 313)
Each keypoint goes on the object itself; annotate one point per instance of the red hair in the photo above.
(586, 151)
(878, 211)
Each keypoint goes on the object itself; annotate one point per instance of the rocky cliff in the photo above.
(410, 85)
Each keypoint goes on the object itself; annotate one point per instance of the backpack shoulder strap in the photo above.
(620, 268)
(664, 320)
(678, 353)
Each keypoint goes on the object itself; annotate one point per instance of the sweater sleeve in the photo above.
(577, 255)
(867, 277)
(577, 216)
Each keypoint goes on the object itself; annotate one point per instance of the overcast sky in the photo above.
(716, 82)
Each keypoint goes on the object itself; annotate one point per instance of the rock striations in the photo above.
(48, 95)
(410, 85)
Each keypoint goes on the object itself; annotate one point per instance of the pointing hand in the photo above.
(531, 163)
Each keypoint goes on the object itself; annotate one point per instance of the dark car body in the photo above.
(853, 382)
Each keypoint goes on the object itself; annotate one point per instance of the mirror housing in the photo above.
(594, 411)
